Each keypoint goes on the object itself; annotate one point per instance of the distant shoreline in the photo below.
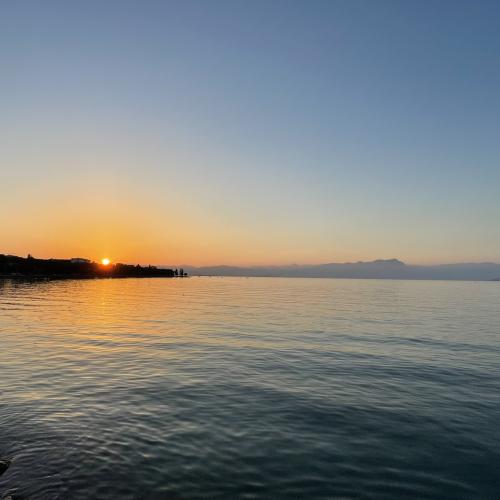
(377, 269)
(48, 277)
(21, 268)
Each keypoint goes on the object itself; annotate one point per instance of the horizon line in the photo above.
(269, 265)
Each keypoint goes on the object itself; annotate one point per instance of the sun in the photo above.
(105, 262)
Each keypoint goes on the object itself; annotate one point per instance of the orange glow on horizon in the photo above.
(105, 262)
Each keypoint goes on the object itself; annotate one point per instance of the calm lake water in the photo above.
(268, 388)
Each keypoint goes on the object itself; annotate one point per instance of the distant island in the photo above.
(376, 269)
(12, 266)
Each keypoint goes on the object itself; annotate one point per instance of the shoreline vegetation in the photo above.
(14, 267)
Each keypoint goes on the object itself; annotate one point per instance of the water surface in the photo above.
(265, 388)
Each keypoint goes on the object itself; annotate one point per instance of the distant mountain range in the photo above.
(380, 269)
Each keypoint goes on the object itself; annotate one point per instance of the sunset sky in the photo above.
(211, 132)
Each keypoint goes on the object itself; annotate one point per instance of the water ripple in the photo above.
(249, 388)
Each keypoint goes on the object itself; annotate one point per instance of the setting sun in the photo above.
(105, 262)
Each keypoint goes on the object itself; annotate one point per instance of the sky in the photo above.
(250, 132)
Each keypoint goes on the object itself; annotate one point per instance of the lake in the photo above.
(251, 388)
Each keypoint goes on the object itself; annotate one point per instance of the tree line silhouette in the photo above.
(14, 266)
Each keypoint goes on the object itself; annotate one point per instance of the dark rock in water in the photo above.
(4, 465)
(12, 495)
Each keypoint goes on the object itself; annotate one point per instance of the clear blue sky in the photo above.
(251, 132)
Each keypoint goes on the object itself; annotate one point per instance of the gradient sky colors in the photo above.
(250, 132)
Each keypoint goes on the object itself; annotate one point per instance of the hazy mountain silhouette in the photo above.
(381, 269)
